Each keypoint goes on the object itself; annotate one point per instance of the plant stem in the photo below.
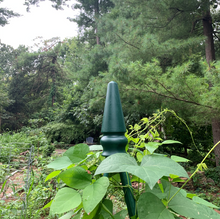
(194, 172)
(106, 209)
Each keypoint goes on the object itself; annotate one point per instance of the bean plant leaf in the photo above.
(152, 146)
(53, 174)
(77, 153)
(150, 206)
(48, 204)
(179, 159)
(92, 214)
(171, 142)
(203, 202)
(156, 191)
(190, 195)
(152, 168)
(139, 156)
(96, 148)
(77, 216)
(94, 193)
(107, 209)
(60, 163)
(186, 207)
(67, 215)
(65, 200)
(121, 214)
(76, 177)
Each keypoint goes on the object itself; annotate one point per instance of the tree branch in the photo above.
(127, 42)
(172, 97)
(216, 35)
(194, 24)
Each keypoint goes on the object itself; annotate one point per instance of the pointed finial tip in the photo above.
(112, 82)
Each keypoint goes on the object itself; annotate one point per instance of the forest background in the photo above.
(163, 54)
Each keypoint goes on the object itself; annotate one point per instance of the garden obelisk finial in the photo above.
(114, 140)
(113, 124)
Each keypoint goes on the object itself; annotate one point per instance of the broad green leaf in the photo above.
(171, 142)
(139, 156)
(156, 191)
(77, 153)
(152, 146)
(92, 214)
(203, 202)
(149, 206)
(67, 215)
(60, 163)
(53, 174)
(96, 148)
(176, 178)
(172, 176)
(84, 167)
(179, 159)
(107, 209)
(65, 200)
(76, 177)
(183, 192)
(48, 204)
(187, 207)
(190, 195)
(146, 152)
(157, 166)
(136, 179)
(116, 177)
(94, 193)
(116, 163)
(77, 216)
(152, 168)
(121, 214)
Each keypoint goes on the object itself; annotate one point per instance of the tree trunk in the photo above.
(216, 139)
(210, 56)
(0, 122)
(209, 43)
(96, 17)
(53, 80)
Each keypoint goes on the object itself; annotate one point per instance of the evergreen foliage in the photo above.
(5, 14)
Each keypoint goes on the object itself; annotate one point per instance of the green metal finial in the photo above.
(114, 141)
(113, 124)
(113, 118)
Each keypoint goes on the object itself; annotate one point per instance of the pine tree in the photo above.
(5, 14)
(178, 34)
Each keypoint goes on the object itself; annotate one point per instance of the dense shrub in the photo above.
(12, 144)
(214, 174)
(61, 132)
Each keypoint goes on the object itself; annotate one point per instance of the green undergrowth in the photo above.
(13, 144)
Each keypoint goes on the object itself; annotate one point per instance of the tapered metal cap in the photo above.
(113, 118)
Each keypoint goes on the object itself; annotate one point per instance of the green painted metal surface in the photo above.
(113, 118)
(113, 124)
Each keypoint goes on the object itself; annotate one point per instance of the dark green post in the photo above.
(114, 141)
